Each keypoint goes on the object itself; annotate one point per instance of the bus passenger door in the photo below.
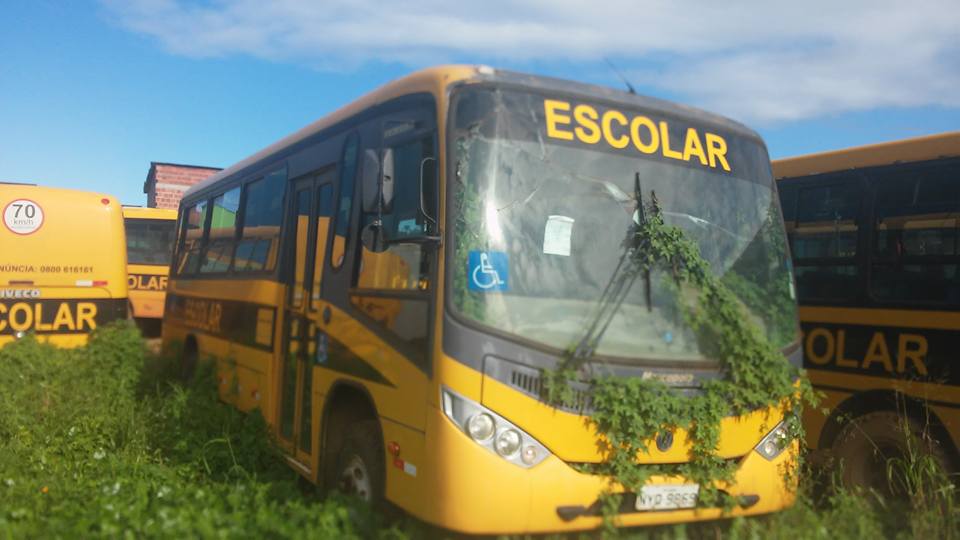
(311, 208)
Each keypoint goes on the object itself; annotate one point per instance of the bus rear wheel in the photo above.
(188, 362)
(360, 463)
(874, 449)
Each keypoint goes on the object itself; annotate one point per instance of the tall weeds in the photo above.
(101, 442)
(92, 444)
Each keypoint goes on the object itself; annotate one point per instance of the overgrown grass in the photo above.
(92, 444)
(101, 442)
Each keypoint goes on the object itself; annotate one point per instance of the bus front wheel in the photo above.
(360, 463)
(876, 450)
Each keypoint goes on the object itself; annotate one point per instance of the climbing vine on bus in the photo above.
(629, 412)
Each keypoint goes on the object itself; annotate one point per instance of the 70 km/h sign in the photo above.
(23, 216)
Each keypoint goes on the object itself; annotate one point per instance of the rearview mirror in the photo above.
(386, 181)
(370, 182)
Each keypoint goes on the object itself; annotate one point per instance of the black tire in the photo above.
(866, 444)
(360, 463)
(188, 363)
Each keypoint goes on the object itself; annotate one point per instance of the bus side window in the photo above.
(391, 287)
(223, 232)
(348, 172)
(824, 241)
(324, 216)
(403, 265)
(194, 221)
(915, 251)
(260, 230)
(827, 221)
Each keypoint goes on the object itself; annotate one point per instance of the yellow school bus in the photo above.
(62, 263)
(874, 236)
(388, 284)
(150, 233)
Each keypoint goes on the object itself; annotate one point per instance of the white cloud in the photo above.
(755, 60)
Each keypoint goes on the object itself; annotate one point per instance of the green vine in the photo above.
(628, 412)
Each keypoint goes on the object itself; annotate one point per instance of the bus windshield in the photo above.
(149, 241)
(541, 224)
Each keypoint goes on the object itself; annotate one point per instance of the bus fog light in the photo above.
(769, 448)
(775, 442)
(529, 455)
(507, 443)
(481, 426)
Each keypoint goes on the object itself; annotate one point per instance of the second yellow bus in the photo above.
(875, 235)
(62, 263)
(150, 233)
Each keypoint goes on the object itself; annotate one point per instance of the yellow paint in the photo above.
(693, 147)
(665, 138)
(717, 150)
(823, 346)
(618, 130)
(609, 134)
(914, 347)
(587, 129)
(877, 351)
(554, 118)
(637, 137)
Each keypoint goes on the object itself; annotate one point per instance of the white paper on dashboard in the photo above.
(556, 235)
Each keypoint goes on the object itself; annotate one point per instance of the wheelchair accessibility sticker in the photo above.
(487, 271)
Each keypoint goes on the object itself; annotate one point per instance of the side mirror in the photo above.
(373, 237)
(386, 180)
(370, 181)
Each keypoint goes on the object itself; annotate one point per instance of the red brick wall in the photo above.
(166, 182)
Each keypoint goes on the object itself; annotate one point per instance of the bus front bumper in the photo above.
(476, 491)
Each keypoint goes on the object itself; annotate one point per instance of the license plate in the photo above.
(667, 497)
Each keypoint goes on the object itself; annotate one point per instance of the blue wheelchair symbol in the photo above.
(487, 271)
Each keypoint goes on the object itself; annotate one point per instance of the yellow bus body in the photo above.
(63, 270)
(147, 283)
(868, 353)
(433, 469)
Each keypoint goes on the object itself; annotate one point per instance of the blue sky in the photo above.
(91, 92)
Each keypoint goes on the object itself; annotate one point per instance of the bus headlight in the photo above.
(481, 427)
(492, 431)
(775, 442)
(507, 443)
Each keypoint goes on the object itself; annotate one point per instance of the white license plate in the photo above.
(667, 497)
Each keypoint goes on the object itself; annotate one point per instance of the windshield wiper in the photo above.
(617, 288)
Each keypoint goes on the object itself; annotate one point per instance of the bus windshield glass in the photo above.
(149, 241)
(545, 202)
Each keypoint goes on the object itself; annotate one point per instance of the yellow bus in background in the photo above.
(62, 263)
(150, 233)
(387, 285)
(875, 237)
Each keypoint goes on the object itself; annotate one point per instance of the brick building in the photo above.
(166, 182)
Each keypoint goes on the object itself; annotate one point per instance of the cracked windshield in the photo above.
(545, 206)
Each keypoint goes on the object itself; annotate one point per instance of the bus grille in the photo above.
(529, 381)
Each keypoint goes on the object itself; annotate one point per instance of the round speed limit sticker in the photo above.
(23, 216)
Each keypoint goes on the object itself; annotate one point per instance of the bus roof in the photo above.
(138, 212)
(437, 80)
(942, 145)
(54, 192)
